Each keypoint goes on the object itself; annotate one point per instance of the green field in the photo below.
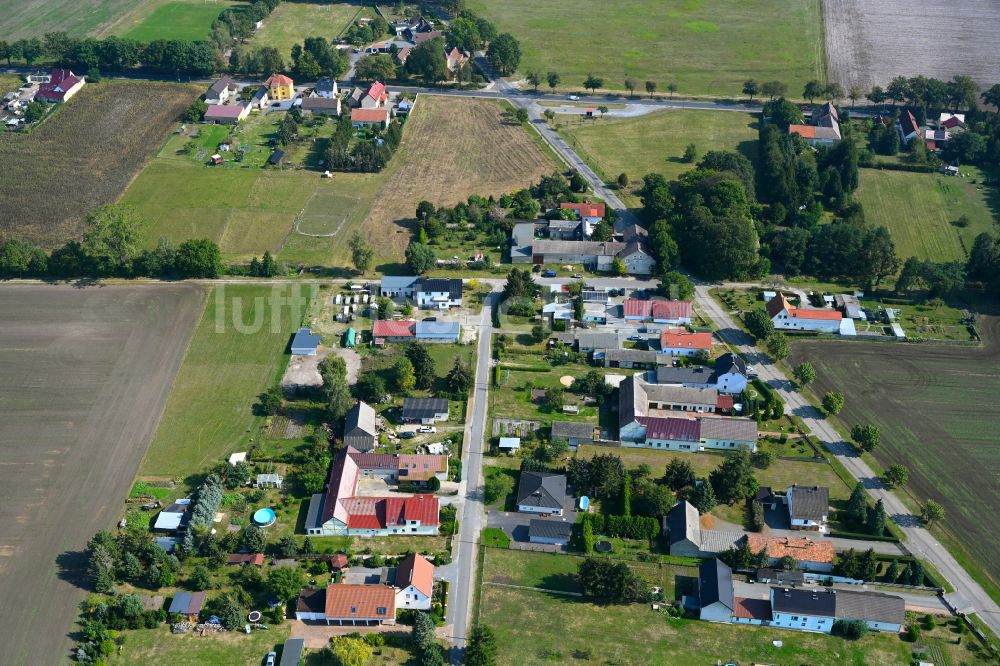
(934, 405)
(209, 413)
(177, 20)
(919, 209)
(537, 628)
(291, 22)
(33, 18)
(704, 46)
(655, 143)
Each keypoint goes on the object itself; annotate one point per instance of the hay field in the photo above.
(452, 147)
(87, 372)
(868, 43)
(83, 156)
(936, 406)
(704, 46)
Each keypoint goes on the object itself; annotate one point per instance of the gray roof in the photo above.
(304, 339)
(687, 375)
(631, 400)
(221, 84)
(781, 576)
(634, 232)
(438, 329)
(636, 356)
(572, 429)
(291, 653)
(315, 513)
(581, 248)
(187, 602)
(682, 521)
(808, 502)
(715, 584)
(361, 417)
(729, 428)
(541, 489)
(523, 235)
(325, 85)
(550, 529)
(870, 606)
(677, 395)
(320, 103)
(716, 541)
(598, 340)
(729, 362)
(424, 408)
(398, 281)
(570, 225)
(814, 602)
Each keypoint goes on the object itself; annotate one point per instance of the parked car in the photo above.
(549, 274)
(427, 429)
(577, 276)
(407, 434)
(635, 338)
(575, 98)
(271, 656)
(536, 269)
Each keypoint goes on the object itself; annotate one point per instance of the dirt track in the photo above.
(868, 42)
(86, 374)
(937, 408)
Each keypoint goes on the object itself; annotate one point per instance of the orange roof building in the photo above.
(364, 117)
(360, 605)
(811, 554)
(789, 317)
(280, 87)
(414, 583)
(585, 210)
(681, 342)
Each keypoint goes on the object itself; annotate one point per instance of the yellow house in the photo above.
(280, 86)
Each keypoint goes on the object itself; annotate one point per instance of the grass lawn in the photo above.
(705, 47)
(177, 20)
(919, 209)
(291, 22)
(539, 628)
(655, 143)
(33, 18)
(209, 413)
(159, 646)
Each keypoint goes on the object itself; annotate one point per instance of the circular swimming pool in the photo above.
(264, 517)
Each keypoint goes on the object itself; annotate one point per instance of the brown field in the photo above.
(937, 408)
(868, 43)
(452, 148)
(86, 375)
(83, 156)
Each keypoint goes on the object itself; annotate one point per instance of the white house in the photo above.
(808, 507)
(803, 609)
(326, 88)
(221, 91)
(438, 293)
(414, 583)
(730, 374)
(541, 492)
(715, 591)
(788, 317)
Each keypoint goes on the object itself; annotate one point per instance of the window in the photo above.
(380, 610)
(354, 609)
(795, 618)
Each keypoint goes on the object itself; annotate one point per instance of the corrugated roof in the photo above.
(387, 328)
(671, 310)
(361, 417)
(438, 329)
(724, 428)
(673, 429)
(572, 429)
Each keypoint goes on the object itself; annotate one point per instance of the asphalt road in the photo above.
(472, 517)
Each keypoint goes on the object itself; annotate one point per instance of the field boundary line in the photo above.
(533, 589)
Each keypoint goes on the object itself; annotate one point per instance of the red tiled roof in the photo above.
(343, 481)
(635, 307)
(671, 309)
(752, 609)
(369, 115)
(338, 561)
(419, 467)
(804, 549)
(585, 209)
(377, 91)
(808, 313)
(385, 328)
(421, 507)
(415, 570)
(278, 80)
(681, 339)
(805, 131)
(246, 558)
(724, 402)
(361, 602)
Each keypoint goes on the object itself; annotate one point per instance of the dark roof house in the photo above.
(422, 409)
(812, 602)
(359, 427)
(549, 531)
(541, 492)
(715, 590)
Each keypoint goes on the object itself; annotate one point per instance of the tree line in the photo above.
(111, 247)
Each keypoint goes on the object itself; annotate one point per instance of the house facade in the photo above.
(414, 583)
(791, 318)
(280, 87)
(221, 91)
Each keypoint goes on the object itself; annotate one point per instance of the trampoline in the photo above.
(603, 546)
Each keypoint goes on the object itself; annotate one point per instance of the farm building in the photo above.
(226, 114)
(359, 427)
(659, 311)
(573, 433)
(595, 255)
(187, 603)
(305, 343)
(551, 532)
(438, 331)
(634, 358)
(387, 330)
(62, 85)
(411, 468)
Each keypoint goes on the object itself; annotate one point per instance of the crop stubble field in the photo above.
(868, 43)
(935, 406)
(451, 148)
(86, 375)
(82, 157)
(704, 46)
